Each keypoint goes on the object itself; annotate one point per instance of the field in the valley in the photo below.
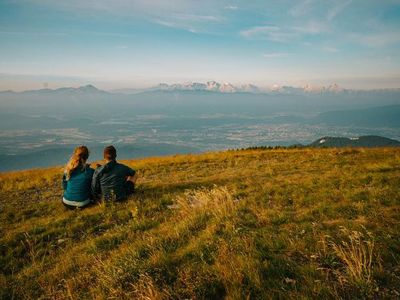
(251, 224)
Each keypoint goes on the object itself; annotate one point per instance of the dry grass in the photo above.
(357, 254)
(218, 202)
(228, 225)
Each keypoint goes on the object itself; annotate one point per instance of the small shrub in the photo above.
(146, 289)
(218, 201)
(356, 251)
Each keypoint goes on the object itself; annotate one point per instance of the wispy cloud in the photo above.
(231, 7)
(306, 7)
(301, 8)
(175, 25)
(198, 18)
(311, 27)
(33, 33)
(337, 9)
(272, 33)
(284, 34)
(330, 49)
(104, 33)
(189, 22)
(120, 7)
(376, 40)
(259, 30)
(275, 55)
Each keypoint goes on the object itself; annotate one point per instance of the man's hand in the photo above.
(132, 178)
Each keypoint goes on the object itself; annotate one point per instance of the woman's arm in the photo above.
(64, 182)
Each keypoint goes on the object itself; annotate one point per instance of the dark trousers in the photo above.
(130, 188)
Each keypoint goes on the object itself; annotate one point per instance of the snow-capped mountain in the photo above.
(250, 88)
(210, 86)
(276, 89)
(307, 89)
(217, 87)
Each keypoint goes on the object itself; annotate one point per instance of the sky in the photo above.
(139, 43)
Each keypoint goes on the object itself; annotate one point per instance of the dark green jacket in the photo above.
(109, 181)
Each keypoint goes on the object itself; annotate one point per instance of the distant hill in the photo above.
(58, 155)
(362, 141)
(82, 90)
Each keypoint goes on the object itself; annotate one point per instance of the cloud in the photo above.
(206, 16)
(175, 25)
(272, 33)
(231, 7)
(306, 6)
(189, 15)
(312, 27)
(33, 33)
(143, 8)
(259, 30)
(286, 34)
(330, 49)
(197, 18)
(301, 8)
(337, 9)
(102, 33)
(275, 55)
(189, 22)
(376, 40)
(64, 34)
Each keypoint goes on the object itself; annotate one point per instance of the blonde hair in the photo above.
(78, 159)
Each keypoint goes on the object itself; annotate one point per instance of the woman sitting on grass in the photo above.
(77, 179)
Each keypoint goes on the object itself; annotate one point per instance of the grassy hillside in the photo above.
(252, 224)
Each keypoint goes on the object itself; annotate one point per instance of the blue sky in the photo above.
(121, 43)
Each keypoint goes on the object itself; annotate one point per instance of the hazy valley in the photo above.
(40, 128)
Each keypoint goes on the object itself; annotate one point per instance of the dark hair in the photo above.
(110, 153)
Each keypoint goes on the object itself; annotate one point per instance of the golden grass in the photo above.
(218, 202)
(219, 225)
(357, 252)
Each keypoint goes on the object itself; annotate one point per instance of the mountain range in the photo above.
(212, 86)
(217, 87)
(180, 118)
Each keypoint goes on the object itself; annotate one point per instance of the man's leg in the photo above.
(130, 184)
(129, 188)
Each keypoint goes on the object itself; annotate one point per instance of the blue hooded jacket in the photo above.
(77, 187)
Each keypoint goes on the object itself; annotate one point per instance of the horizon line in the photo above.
(263, 89)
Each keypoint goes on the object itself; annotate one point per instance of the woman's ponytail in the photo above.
(78, 159)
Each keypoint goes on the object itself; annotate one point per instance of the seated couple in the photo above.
(83, 185)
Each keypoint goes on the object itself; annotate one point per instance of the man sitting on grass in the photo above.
(113, 181)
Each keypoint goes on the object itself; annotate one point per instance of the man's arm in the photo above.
(132, 178)
(131, 175)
